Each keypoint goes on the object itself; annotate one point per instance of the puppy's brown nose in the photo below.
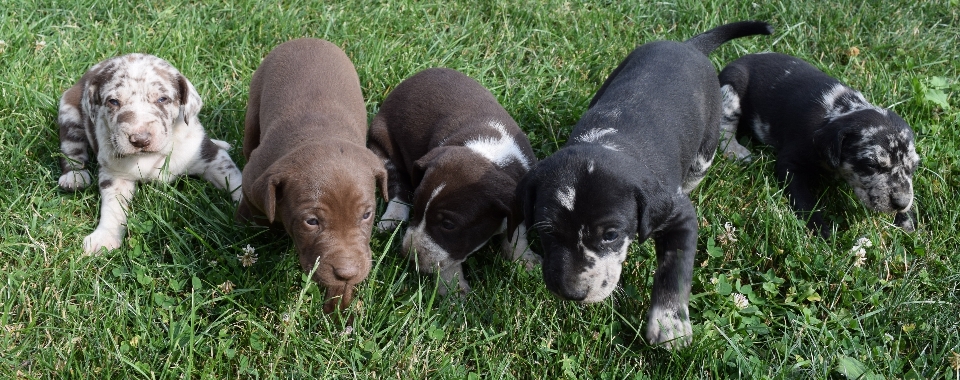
(346, 272)
(140, 140)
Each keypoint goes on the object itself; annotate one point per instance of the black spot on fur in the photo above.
(127, 117)
(208, 150)
(106, 183)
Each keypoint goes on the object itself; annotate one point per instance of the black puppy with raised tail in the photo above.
(645, 142)
(818, 126)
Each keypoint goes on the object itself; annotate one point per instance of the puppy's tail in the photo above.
(707, 41)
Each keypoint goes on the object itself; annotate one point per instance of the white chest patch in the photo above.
(566, 197)
(499, 151)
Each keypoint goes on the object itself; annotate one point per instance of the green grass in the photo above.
(154, 309)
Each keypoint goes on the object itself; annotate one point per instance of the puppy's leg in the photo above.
(798, 186)
(698, 169)
(115, 194)
(73, 142)
(729, 121)
(668, 321)
(398, 209)
(216, 166)
(518, 248)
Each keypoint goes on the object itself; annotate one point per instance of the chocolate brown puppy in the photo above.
(455, 156)
(307, 165)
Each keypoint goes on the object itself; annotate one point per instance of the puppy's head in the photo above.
(325, 200)
(136, 101)
(588, 205)
(462, 200)
(873, 151)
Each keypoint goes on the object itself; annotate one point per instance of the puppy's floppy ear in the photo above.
(433, 155)
(379, 172)
(267, 190)
(422, 165)
(93, 80)
(829, 140)
(190, 102)
(652, 210)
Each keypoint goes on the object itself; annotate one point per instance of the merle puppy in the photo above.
(645, 142)
(818, 126)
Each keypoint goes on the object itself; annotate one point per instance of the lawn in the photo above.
(175, 302)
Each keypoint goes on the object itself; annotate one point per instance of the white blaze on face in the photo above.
(500, 151)
(602, 278)
(429, 255)
(566, 197)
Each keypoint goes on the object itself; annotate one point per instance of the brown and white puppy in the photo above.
(139, 116)
(307, 166)
(455, 155)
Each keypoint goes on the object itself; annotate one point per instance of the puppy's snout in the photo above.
(346, 272)
(900, 201)
(140, 140)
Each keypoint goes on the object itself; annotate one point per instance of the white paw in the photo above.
(531, 260)
(93, 243)
(395, 213)
(220, 143)
(734, 150)
(667, 328)
(75, 179)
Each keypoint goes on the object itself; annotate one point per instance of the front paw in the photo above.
(100, 239)
(670, 328)
(906, 220)
(395, 213)
(75, 179)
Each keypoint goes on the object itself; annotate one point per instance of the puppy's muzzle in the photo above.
(140, 140)
(901, 201)
(557, 283)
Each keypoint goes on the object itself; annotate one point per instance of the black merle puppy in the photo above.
(819, 126)
(645, 142)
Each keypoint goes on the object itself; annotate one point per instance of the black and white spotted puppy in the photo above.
(455, 155)
(818, 125)
(138, 115)
(643, 145)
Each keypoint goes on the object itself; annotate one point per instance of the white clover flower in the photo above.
(728, 235)
(861, 257)
(226, 287)
(39, 45)
(859, 251)
(740, 301)
(248, 258)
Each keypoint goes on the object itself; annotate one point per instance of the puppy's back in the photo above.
(307, 79)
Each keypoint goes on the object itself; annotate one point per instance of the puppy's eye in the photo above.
(610, 236)
(162, 99)
(313, 221)
(366, 215)
(447, 224)
(113, 102)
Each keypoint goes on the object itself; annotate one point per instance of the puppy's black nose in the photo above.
(900, 202)
(140, 140)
